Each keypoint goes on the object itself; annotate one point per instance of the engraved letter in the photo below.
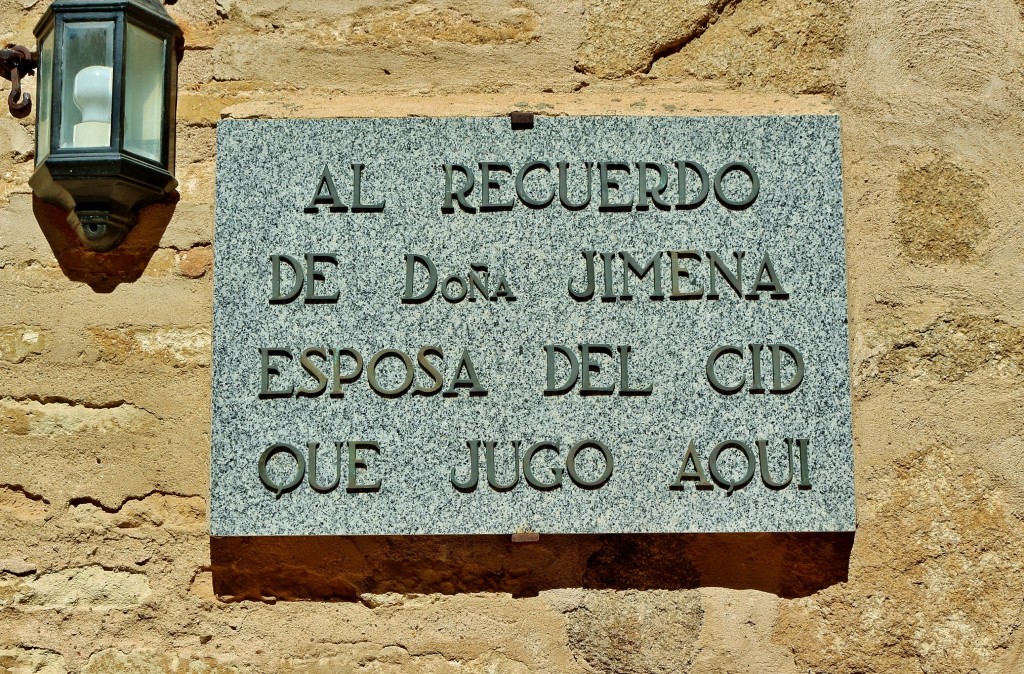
(267, 371)
(431, 371)
(757, 385)
(713, 378)
(588, 367)
(371, 373)
(574, 370)
(608, 183)
(773, 285)
(677, 272)
(588, 292)
(655, 193)
(624, 388)
(487, 183)
(312, 370)
(312, 276)
(312, 448)
(357, 369)
(492, 478)
(755, 186)
(630, 265)
(600, 480)
(697, 473)
(528, 467)
(474, 469)
(325, 193)
(766, 476)
(563, 187)
(470, 381)
(276, 297)
(300, 468)
(798, 376)
(732, 485)
(478, 283)
(357, 463)
(521, 189)
(705, 185)
(805, 467)
(461, 193)
(410, 278)
(734, 281)
(357, 193)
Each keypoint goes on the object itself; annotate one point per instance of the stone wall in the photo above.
(105, 560)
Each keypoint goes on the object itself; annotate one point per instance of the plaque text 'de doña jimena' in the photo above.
(594, 325)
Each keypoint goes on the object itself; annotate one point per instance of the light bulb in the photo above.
(93, 94)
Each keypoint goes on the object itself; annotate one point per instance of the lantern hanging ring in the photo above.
(17, 62)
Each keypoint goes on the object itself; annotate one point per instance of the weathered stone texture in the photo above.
(89, 587)
(20, 342)
(935, 583)
(791, 47)
(624, 38)
(22, 504)
(634, 632)
(941, 218)
(105, 565)
(114, 661)
(31, 661)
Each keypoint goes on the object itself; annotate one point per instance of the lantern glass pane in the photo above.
(88, 74)
(144, 93)
(45, 97)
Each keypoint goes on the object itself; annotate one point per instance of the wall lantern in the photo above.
(107, 89)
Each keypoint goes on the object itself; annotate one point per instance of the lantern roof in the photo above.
(151, 11)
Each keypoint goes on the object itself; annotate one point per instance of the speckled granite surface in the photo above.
(267, 173)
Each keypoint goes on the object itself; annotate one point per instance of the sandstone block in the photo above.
(17, 343)
(635, 632)
(16, 501)
(32, 417)
(113, 661)
(89, 587)
(31, 661)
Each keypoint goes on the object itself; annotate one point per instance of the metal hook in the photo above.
(20, 107)
(15, 63)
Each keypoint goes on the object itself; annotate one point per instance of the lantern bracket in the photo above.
(17, 62)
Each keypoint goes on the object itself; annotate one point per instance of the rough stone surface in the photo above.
(90, 587)
(19, 343)
(25, 505)
(31, 661)
(941, 218)
(929, 92)
(114, 661)
(624, 38)
(634, 633)
(791, 47)
(938, 539)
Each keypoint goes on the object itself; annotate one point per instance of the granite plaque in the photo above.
(592, 325)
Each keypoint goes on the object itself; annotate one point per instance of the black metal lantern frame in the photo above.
(103, 184)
